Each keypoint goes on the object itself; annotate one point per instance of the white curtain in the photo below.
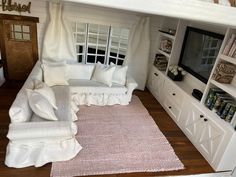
(58, 42)
(138, 51)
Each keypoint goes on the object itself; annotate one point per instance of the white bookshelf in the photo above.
(221, 146)
(169, 36)
(228, 59)
(164, 53)
(230, 89)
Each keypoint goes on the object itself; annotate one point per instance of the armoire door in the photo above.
(19, 46)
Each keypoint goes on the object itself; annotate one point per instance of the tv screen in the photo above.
(199, 51)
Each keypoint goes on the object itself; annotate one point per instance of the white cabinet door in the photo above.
(205, 134)
(155, 83)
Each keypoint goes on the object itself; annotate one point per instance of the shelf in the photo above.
(172, 37)
(228, 59)
(164, 53)
(230, 89)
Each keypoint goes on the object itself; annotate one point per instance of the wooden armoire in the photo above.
(18, 45)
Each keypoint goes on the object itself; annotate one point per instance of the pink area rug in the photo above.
(118, 139)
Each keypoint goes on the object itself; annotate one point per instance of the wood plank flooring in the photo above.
(193, 161)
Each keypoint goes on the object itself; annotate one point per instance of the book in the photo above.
(229, 44)
(232, 49)
(211, 98)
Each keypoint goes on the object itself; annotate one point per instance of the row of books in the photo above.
(222, 104)
(160, 62)
(230, 47)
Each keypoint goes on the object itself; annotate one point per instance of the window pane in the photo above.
(80, 38)
(113, 52)
(80, 58)
(101, 59)
(102, 40)
(17, 28)
(125, 33)
(120, 62)
(92, 39)
(103, 29)
(26, 36)
(79, 49)
(101, 50)
(26, 29)
(116, 31)
(113, 60)
(121, 56)
(123, 43)
(115, 41)
(92, 50)
(18, 35)
(81, 27)
(93, 28)
(90, 59)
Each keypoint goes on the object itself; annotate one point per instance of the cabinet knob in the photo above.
(169, 107)
(155, 74)
(205, 119)
(173, 94)
(201, 116)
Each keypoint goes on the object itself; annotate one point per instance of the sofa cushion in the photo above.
(103, 74)
(89, 86)
(40, 105)
(119, 76)
(47, 92)
(63, 100)
(80, 71)
(55, 74)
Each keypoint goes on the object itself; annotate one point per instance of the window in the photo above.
(100, 43)
(210, 50)
(20, 32)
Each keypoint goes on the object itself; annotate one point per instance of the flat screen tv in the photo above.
(199, 51)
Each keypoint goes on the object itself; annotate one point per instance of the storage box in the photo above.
(224, 72)
(178, 77)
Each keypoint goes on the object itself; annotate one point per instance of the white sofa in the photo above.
(36, 141)
(88, 92)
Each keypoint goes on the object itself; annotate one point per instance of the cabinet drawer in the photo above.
(172, 108)
(174, 93)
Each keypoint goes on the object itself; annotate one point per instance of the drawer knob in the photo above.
(155, 74)
(201, 116)
(205, 120)
(169, 107)
(173, 94)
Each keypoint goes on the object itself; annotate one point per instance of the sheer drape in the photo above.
(58, 40)
(138, 51)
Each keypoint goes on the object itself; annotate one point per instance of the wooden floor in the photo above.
(193, 161)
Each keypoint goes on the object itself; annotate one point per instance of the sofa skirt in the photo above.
(100, 99)
(37, 154)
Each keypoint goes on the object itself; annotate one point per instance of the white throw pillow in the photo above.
(55, 74)
(40, 106)
(119, 76)
(103, 74)
(47, 92)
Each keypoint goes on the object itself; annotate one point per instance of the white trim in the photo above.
(185, 9)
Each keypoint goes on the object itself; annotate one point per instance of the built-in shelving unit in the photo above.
(164, 53)
(228, 59)
(212, 136)
(230, 89)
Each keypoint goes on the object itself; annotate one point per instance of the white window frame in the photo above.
(108, 46)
